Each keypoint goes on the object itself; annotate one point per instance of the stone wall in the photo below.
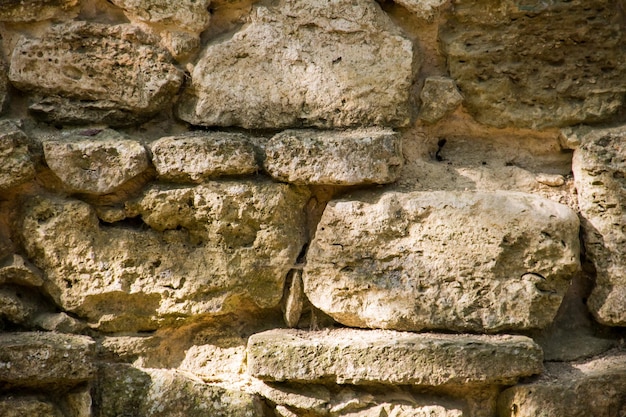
(340, 208)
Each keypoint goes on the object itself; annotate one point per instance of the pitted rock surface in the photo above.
(16, 166)
(34, 10)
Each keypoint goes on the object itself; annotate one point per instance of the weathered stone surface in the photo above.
(594, 388)
(4, 85)
(97, 164)
(303, 398)
(111, 68)
(17, 306)
(424, 9)
(538, 65)
(465, 261)
(198, 156)
(34, 359)
(404, 410)
(439, 97)
(212, 249)
(280, 71)
(33, 10)
(352, 157)
(15, 270)
(348, 356)
(190, 15)
(16, 166)
(27, 406)
(58, 322)
(599, 167)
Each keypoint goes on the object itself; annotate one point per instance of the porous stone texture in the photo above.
(465, 261)
(33, 10)
(100, 73)
(15, 270)
(96, 164)
(210, 249)
(403, 410)
(439, 97)
(305, 63)
(599, 167)
(593, 388)
(27, 406)
(349, 157)
(348, 356)
(41, 359)
(16, 166)
(572, 72)
(198, 156)
(190, 15)
(424, 9)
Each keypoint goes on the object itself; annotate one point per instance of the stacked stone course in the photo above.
(342, 208)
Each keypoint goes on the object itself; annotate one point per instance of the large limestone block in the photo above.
(464, 261)
(599, 167)
(593, 388)
(189, 15)
(350, 157)
(16, 166)
(34, 10)
(218, 248)
(349, 356)
(97, 164)
(115, 72)
(197, 156)
(35, 359)
(538, 64)
(305, 63)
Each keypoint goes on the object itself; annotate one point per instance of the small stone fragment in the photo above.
(16, 305)
(348, 356)
(16, 166)
(352, 157)
(27, 406)
(34, 10)
(309, 397)
(551, 180)
(36, 359)
(59, 322)
(95, 164)
(439, 97)
(295, 299)
(424, 9)
(15, 270)
(198, 156)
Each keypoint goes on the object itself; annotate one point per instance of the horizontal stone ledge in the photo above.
(351, 356)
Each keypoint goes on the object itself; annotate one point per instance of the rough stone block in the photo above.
(594, 388)
(34, 359)
(305, 63)
(199, 156)
(349, 356)
(16, 166)
(115, 69)
(97, 164)
(538, 64)
(34, 10)
(439, 97)
(27, 406)
(189, 15)
(353, 157)
(464, 261)
(599, 167)
(424, 9)
(213, 249)
(15, 270)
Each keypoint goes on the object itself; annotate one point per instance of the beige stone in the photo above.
(213, 249)
(464, 261)
(593, 388)
(16, 270)
(439, 97)
(97, 164)
(190, 15)
(17, 306)
(35, 10)
(17, 406)
(302, 398)
(305, 63)
(350, 157)
(424, 9)
(37, 359)
(599, 168)
(404, 410)
(194, 157)
(16, 166)
(537, 65)
(113, 71)
(349, 356)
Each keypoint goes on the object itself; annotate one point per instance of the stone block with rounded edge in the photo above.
(194, 157)
(350, 356)
(305, 63)
(347, 157)
(95, 164)
(463, 261)
(599, 167)
(16, 165)
(218, 248)
(41, 359)
(190, 15)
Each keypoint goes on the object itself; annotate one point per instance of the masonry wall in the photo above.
(313, 208)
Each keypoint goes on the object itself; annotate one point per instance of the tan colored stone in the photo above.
(464, 261)
(404, 410)
(97, 164)
(15, 270)
(593, 388)
(352, 157)
(27, 406)
(280, 70)
(36, 359)
(212, 249)
(303, 398)
(439, 97)
(537, 65)
(197, 156)
(17, 306)
(34, 10)
(16, 166)
(58, 322)
(424, 9)
(115, 71)
(190, 15)
(599, 168)
(349, 356)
